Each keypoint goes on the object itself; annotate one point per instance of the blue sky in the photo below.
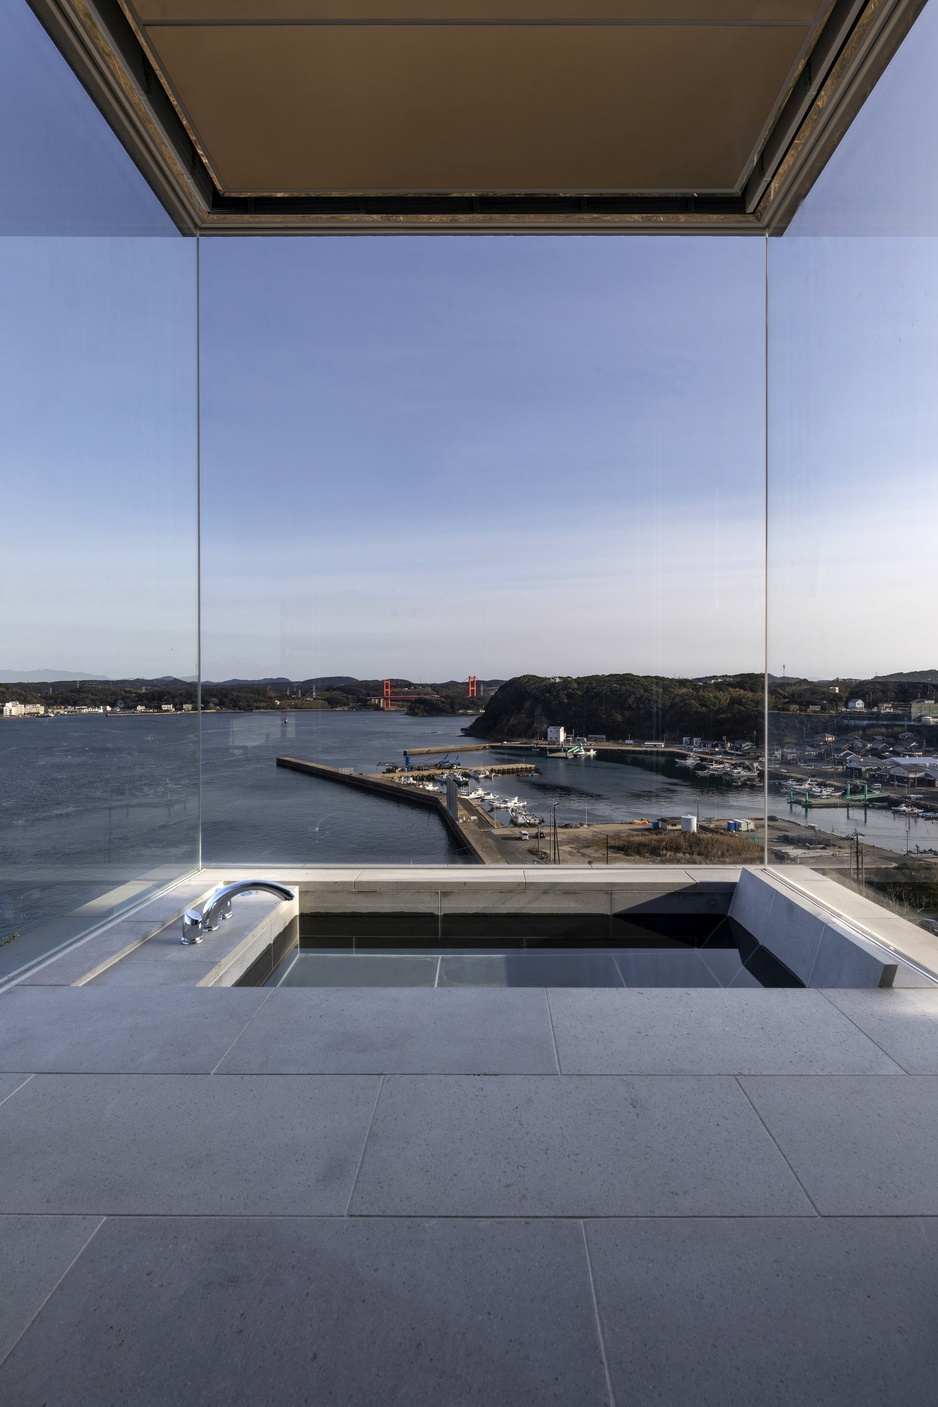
(435, 456)
(481, 456)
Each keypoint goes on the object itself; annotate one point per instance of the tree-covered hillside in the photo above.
(625, 706)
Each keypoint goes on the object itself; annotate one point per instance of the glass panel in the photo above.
(521, 478)
(98, 421)
(853, 493)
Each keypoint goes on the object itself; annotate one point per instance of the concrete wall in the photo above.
(816, 946)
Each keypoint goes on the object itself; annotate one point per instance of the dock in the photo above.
(497, 769)
(800, 796)
(458, 748)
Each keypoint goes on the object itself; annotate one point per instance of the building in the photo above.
(456, 1162)
(556, 734)
(914, 771)
(922, 709)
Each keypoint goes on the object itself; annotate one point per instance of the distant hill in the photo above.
(242, 683)
(623, 706)
(329, 681)
(914, 676)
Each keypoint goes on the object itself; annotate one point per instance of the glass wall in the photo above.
(853, 572)
(98, 438)
(461, 492)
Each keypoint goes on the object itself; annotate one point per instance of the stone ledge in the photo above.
(820, 949)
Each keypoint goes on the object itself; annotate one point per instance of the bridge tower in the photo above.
(386, 693)
(473, 692)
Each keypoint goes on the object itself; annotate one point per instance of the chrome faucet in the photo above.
(195, 925)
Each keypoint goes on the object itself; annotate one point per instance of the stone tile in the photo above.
(542, 1146)
(153, 972)
(335, 1312)
(397, 1031)
(614, 876)
(861, 1146)
(35, 1252)
(908, 976)
(295, 875)
(9, 1084)
(842, 1311)
(76, 962)
(184, 1144)
(219, 960)
(98, 1029)
(709, 1032)
(903, 1021)
(249, 912)
(714, 874)
(59, 933)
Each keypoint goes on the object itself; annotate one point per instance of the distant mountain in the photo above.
(44, 676)
(914, 676)
(236, 683)
(326, 681)
(330, 681)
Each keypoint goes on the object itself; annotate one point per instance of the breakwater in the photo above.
(378, 786)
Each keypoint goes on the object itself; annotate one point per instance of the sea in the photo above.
(92, 806)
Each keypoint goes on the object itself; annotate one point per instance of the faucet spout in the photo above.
(195, 925)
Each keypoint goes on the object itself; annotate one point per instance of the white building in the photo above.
(556, 735)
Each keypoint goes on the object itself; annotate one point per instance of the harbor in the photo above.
(699, 807)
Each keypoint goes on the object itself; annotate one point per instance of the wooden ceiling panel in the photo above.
(297, 109)
(344, 11)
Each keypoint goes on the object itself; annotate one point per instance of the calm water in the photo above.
(93, 807)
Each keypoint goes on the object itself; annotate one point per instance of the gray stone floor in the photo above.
(422, 1196)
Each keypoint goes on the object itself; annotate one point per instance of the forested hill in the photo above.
(625, 706)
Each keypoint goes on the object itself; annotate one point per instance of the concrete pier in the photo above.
(379, 786)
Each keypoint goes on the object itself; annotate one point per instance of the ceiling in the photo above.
(473, 113)
(354, 96)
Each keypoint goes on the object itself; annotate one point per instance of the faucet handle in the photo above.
(192, 931)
